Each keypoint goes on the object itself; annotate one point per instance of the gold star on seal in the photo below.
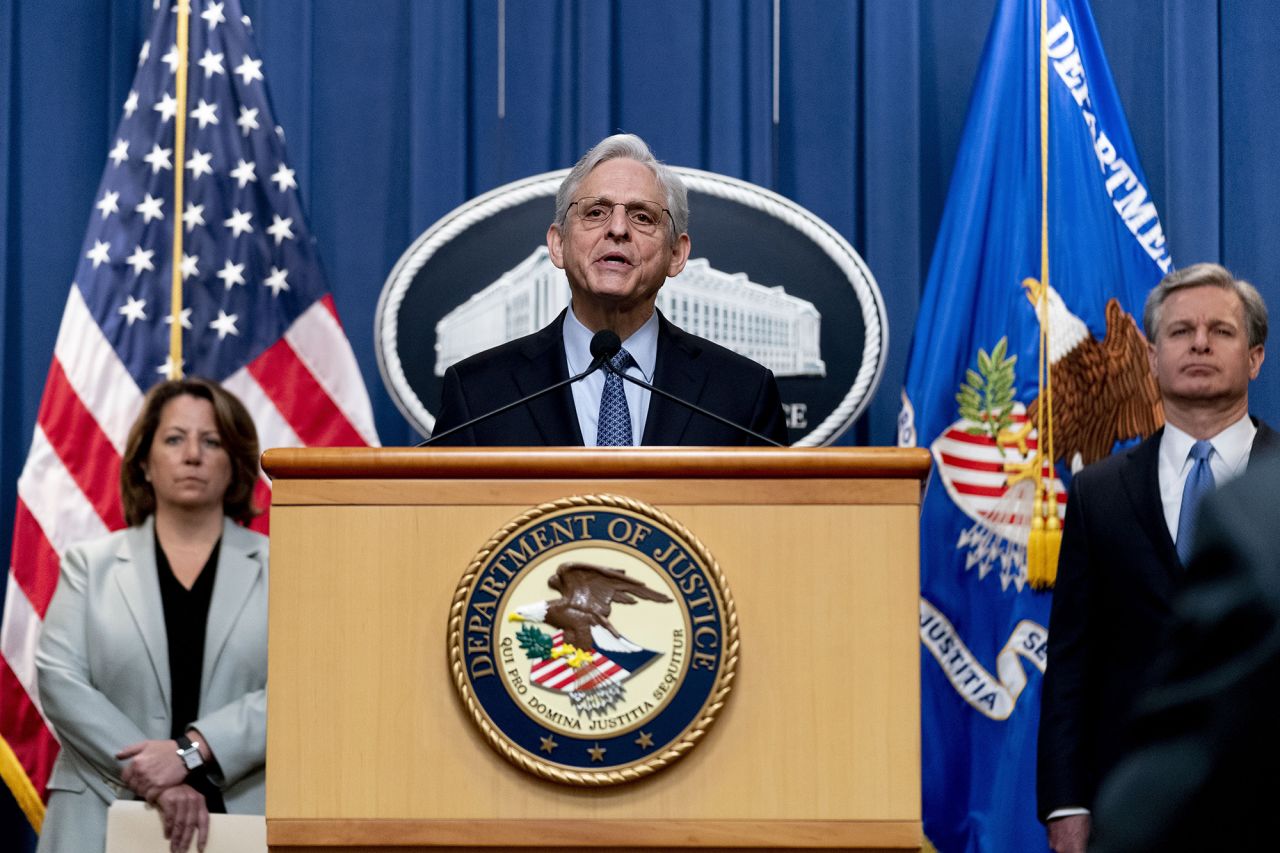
(548, 744)
(645, 741)
(597, 752)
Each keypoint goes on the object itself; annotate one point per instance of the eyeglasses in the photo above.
(594, 212)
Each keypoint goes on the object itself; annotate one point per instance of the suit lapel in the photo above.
(1141, 477)
(545, 364)
(135, 575)
(240, 564)
(1142, 485)
(677, 371)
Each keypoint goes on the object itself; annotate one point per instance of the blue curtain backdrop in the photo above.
(394, 115)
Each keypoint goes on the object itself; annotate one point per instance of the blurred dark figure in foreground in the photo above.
(1205, 741)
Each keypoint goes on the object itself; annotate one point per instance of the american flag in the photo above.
(256, 315)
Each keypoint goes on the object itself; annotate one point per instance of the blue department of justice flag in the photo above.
(972, 396)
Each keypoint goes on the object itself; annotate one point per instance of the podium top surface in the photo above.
(507, 463)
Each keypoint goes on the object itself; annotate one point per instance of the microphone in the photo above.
(604, 346)
(673, 398)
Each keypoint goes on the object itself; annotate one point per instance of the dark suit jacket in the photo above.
(1111, 609)
(1207, 730)
(688, 366)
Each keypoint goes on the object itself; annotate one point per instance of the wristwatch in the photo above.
(189, 752)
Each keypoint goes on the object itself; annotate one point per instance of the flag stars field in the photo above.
(277, 281)
(211, 63)
(159, 159)
(150, 208)
(248, 119)
(141, 260)
(213, 16)
(133, 309)
(249, 70)
(99, 253)
(280, 228)
(238, 222)
(244, 173)
(168, 107)
(205, 113)
(193, 216)
(225, 324)
(167, 365)
(109, 203)
(184, 318)
(231, 274)
(283, 178)
(200, 163)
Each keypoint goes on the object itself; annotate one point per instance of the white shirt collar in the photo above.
(643, 345)
(1231, 446)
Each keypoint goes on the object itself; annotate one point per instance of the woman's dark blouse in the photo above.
(186, 616)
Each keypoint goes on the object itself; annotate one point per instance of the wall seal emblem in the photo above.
(767, 279)
(593, 640)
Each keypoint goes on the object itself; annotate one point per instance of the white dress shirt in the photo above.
(1229, 459)
(643, 346)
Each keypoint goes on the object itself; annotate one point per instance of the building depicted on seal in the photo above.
(766, 324)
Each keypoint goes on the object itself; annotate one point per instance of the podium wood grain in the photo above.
(369, 746)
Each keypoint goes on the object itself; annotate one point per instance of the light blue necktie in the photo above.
(614, 427)
(1199, 483)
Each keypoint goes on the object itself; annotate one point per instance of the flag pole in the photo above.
(1045, 539)
(179, 151)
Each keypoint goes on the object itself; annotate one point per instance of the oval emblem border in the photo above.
(665, 754)
(875, 319)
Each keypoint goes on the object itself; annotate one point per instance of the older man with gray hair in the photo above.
(1129, 528)
(620, 231)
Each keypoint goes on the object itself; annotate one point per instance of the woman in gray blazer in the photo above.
(153, 659)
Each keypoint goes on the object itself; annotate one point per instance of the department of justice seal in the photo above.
(593, 640)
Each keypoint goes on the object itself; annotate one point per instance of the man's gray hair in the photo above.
(1210, 275)
(627, 146)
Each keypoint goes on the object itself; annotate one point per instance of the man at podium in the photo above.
(620, 231)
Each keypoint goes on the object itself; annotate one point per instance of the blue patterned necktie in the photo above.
(614, 427)
(1199, 483)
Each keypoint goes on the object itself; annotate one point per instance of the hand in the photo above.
(185, 815)
(1070, 834)
(155, 766)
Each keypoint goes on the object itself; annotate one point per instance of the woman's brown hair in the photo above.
(235, 428)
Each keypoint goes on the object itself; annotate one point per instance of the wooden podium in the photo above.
(818, 746)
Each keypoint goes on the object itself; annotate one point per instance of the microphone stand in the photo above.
(673, 398)
(596, 363)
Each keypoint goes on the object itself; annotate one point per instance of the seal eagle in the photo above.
(587, 596)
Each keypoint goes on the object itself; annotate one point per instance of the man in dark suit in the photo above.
(1126, 535)
(1207, 727)
(621, 230)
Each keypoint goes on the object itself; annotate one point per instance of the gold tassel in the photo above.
(1052, 546)
(1046, 539)
(1036, 544)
